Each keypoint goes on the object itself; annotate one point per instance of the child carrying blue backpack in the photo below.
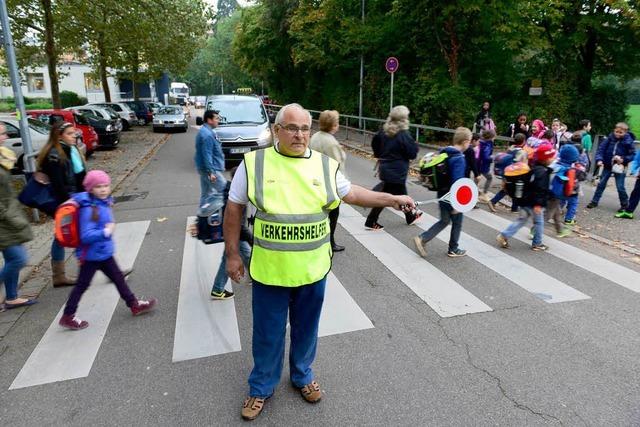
(565, 185)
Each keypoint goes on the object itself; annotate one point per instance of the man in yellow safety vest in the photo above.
(294, 189)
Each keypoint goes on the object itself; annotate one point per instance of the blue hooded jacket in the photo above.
(95, 245)
(456, 165)
(485, 159)
(635, 167)
(624, 149)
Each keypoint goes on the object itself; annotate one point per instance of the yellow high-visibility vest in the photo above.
(293, 197)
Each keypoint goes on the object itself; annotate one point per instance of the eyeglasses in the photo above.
(293, 129)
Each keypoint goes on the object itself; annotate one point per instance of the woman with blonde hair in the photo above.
(325, 142)
(394, 148)
(14, 230)
(65, 166)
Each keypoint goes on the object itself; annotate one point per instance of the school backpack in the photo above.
(517, 179)
(565, 182)
(500, 162)
(210, 228)
(434, 171)
(66, 225)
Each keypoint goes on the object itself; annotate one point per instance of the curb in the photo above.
(507, 203)
(36, 259)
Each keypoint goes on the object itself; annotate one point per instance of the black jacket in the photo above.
(394, 155)
(537, 192)
(64, 181)
(471, 164)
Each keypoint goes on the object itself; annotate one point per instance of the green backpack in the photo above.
(434, 172)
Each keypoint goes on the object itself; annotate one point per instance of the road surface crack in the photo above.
(498, 381)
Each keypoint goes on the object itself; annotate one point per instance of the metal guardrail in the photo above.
(362, 124)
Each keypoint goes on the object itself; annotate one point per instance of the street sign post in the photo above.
(391, 66)
(462, 196)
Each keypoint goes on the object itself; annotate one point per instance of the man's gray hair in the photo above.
(280, 114)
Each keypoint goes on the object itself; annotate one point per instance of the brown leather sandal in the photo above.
(252, 407)
(311, 392)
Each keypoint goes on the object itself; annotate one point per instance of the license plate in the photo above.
(240, 150)
(168, 125)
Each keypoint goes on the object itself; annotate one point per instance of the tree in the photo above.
(226, 8)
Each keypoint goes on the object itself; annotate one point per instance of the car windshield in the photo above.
(170, 110)
(180, 90)
(239, 112)
(39, 126)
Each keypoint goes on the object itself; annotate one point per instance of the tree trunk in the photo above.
(134, 78)
(102, 65)
(588, 56)
(50, 51)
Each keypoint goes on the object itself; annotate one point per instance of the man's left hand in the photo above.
(403, 203)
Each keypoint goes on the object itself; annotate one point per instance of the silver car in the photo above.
(127, 115)
(170, 117)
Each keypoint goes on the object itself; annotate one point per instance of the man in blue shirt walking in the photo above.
(209, 160)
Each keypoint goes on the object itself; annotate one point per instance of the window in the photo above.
(115, 107)
(35, 82)
(12, 131)
(92, 84)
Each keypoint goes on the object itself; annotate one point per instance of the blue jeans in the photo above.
(57, 251)
(622, 192)
(221, 276)
(635, 197)
(572, 207)
(446, 216)
(211, 193)
(15, 257)
(270, 305)
(538, 224)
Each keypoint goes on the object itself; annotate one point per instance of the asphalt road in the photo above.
(525, 362)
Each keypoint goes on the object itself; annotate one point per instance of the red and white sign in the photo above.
(463, 195)
(391, 64)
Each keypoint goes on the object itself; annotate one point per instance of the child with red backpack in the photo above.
(90, 227)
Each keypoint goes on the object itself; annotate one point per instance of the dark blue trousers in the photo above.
(270, 306)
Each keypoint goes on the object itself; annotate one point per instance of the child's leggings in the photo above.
(87, 270)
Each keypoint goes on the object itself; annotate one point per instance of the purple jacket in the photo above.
(95, 245)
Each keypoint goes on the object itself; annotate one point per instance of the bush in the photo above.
(604, 106)
(70, 99)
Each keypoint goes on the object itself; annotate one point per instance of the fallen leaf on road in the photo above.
(162, 219)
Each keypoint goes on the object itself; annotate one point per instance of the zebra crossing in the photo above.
(206, 328)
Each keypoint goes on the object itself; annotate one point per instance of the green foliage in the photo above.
(633, 113)
(10, 107)
(451, 61)
(215, 62)
(69, 99)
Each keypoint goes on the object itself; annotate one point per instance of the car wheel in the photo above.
(125, 125)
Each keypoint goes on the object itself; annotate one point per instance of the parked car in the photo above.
(103, 112)
(39, 135)
(127, 115)
(51, 116)
(170, 117)
(142, 110)
(244, 125)
(108, 130)
(154, 106)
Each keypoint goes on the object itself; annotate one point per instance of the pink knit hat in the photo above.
(95, 177)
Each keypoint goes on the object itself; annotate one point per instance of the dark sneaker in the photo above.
(143, 306)
(225, 294)
(252, 407)
(592, 205)
(570, 221)
(70, 321)
(337, 248)
(311, 392)
(624, 214)
(502, 241)
(416, 217)
(420, 246)
(456, 253)
(539, 247)
(375, 227)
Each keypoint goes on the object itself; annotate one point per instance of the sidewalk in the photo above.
(123, 163)
(598, 224)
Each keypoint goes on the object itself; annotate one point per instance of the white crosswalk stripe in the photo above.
(604, 268)
(203, 327)
(540, 284)
(64, 355)
(444, 295)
